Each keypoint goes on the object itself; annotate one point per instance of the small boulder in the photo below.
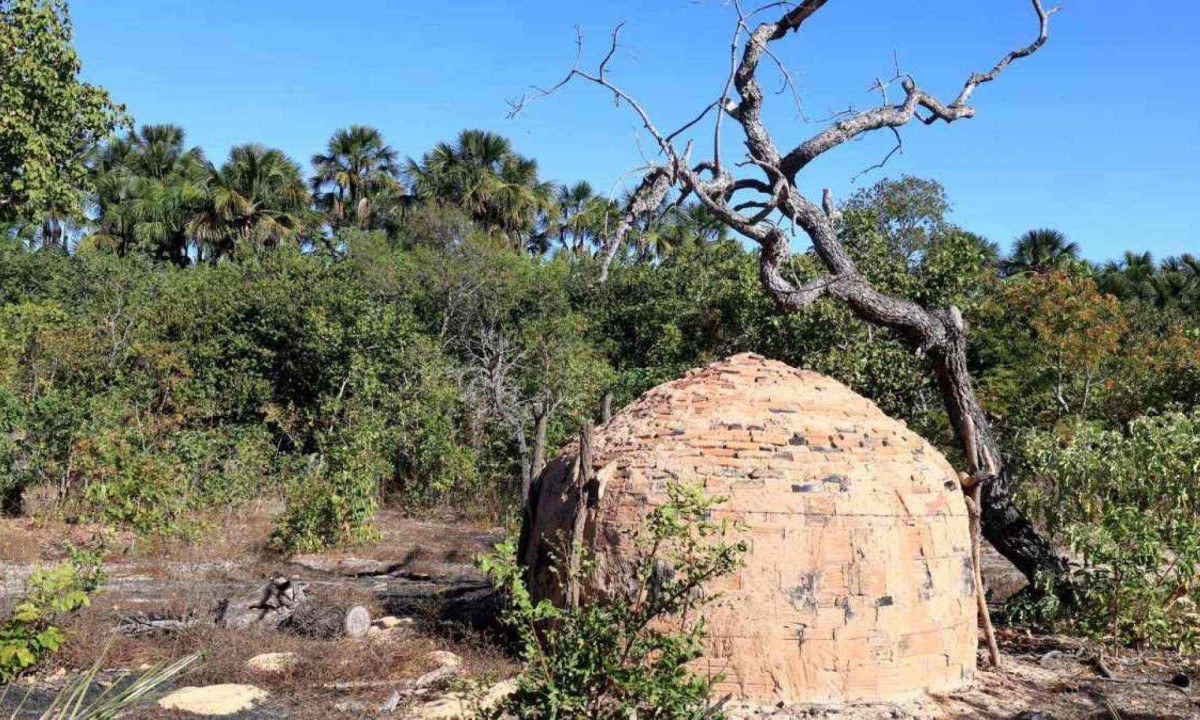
(213, 699)
(498, 692)
(458, 706)
(387, 622)
(389, 630)
(352, 707)
(444, 658)
(274, 662)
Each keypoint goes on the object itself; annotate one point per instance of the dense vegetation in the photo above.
(425, 332)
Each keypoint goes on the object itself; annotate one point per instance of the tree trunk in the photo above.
(541, 418)
(526, 466)
(285, 604)
(326, 621)
(53, 235)
(1004, 525)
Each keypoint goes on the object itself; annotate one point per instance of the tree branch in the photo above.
(893, 116)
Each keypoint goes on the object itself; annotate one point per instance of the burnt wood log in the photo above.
(286, 604)
(268, 607)
(317, 619)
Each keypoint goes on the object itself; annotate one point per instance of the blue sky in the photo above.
(1096, 135)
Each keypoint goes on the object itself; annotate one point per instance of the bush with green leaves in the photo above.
(146, 411)
(1125, 502)
(616, 657)
(333, 503)
(29, 634)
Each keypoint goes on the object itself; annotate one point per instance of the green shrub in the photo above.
(155, 474)
(1126, 504)
(29, 634)
(621, 657)
(333, 503)
(13, 476)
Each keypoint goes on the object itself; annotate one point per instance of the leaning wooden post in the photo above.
(584, 477)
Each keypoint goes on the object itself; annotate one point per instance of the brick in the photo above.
(854, 585)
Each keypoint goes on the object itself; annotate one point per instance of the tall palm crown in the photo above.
(679, 227)
(1172, 290)
(1040, 251)
(1185, 264)
(482, 174)
(1176, 285)
(356, 171)
(583, 217)
(148, 185)
(573, 201)
(1127, 278)
(1173, 283)
(258, 197)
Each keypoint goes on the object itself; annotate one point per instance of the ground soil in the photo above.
(423, 568)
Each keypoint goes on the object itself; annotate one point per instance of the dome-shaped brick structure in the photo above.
(858, 584)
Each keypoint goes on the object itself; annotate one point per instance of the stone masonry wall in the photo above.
(858, 585)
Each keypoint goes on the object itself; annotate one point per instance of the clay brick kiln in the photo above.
(858, 584)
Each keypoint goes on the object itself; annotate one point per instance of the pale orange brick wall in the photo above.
(858, 584)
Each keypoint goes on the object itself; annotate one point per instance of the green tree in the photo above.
(258, 198)
(50, 119)
(1041, 250)
(481, 173)
(356, 173)
(149, 186)
(908, 212)
(1049, 338)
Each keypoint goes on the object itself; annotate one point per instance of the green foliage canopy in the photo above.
(49, 119)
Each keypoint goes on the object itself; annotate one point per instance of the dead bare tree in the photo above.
(495, 361)
(758, 197)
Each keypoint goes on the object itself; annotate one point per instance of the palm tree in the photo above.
(1172, 289)
(481, 174)
(573, 200)
(702, 223)
(257, 197)
(679, 227)
(583, 218)
(1177, 284)
(1128, 277)
(148, 186)
(357, 169)
(1040, 251)
(1186, 264)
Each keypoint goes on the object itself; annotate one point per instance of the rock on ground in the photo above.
(213, 699)
(458, 706)
(387, 622)
(272, 662)
(444, 658)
